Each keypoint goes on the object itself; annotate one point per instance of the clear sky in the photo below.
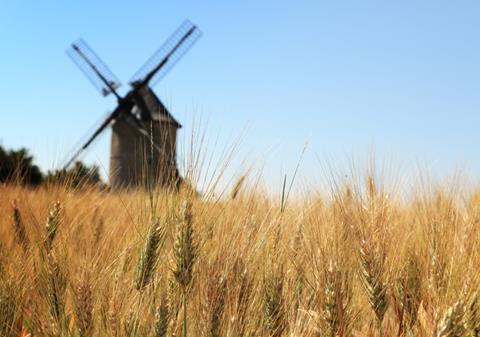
(401, 79)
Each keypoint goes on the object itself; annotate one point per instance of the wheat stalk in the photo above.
(408, 294)
(371, 275)
(53, 290)
(273, 302)
(9, 309)
(162, 317)
(52, 224)
(336, 302)
(452, 323)
(149, 255)
(84, 306)
(185, 251)
(19, 226)
(214, 305)
(472, 316)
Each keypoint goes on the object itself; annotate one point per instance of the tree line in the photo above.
(18, 166)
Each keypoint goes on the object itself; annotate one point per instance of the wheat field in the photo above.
(362, 261)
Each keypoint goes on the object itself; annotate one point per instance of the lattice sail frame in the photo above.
(168, 54)
(88, 61)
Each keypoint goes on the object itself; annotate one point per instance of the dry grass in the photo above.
(363, 263)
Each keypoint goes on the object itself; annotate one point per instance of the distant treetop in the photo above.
(17, 166)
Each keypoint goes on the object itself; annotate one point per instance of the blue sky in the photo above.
(401, 79)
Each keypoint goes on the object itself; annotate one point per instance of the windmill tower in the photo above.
(133, 156)
(144, 133)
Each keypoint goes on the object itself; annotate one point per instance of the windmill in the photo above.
(143, 130)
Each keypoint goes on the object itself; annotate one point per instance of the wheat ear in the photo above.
(149, 255)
